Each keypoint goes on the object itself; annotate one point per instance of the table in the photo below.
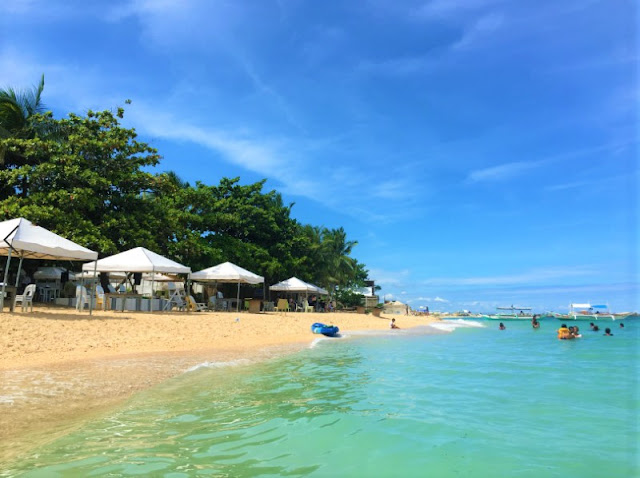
(48, 293)
(10, 293)
(254, 305)
(123, 296)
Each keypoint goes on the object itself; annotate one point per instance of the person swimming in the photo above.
(501, 326)
(564, 333)
(607, 331)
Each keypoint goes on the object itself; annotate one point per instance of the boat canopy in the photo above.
(581, 306)
(600, 306)
(513, 308)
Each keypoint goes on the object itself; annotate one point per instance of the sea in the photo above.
(459, 399)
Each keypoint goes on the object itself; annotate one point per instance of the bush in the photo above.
(348, 298)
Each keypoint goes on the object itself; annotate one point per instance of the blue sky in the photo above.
(482, 152)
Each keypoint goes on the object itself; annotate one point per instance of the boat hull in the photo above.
(508, 318)
(589, 317)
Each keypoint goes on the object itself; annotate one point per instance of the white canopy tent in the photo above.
(293, 284)
(138, 259)
(227, 272)
(22, 238)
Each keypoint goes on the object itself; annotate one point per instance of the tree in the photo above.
(85, 182)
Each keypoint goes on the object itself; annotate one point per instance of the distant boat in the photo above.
(511, 313)
(589, 312)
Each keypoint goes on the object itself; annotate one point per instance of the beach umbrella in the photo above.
(22, 238)
(293, 284)
(228, 272)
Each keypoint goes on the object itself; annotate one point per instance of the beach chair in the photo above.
(192, 305)
(269, 306)
(283, 305)
(25, 299)
(176, 297)
(99, 297)
(82, 297)
(306, 307)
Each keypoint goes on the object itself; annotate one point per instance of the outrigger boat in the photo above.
(588, 312)
(511, 313)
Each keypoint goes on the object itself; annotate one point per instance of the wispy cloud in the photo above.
(532, 276)
(503, 171)
(479, 30)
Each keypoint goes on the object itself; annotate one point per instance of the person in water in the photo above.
(392, 324)
(596, 328)
(564, 333)
(534, 323)
(501, 326)
(576, 332)
(592, 325)
(607, 331)
(621, 325)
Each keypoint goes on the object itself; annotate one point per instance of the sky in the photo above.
(482, 152)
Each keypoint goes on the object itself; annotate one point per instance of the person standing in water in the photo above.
(534, 322)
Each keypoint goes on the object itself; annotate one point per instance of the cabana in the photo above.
(20, 237)
(140, 260)
(293, 284)
(228, 272)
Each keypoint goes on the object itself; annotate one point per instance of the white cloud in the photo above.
(532, 276)
(503, 171)
(440, 299)
(479, 31)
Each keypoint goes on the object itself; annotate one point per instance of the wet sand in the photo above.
(59, 367)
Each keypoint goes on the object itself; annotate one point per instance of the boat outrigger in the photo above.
(588, 312)
(511, 313)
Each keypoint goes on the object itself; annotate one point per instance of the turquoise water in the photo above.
(473, 402)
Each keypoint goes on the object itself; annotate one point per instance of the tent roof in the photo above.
(35, 242)
(137, 260)
(293, 284)
(227, 272)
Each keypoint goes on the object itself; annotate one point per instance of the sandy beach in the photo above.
(59, 367)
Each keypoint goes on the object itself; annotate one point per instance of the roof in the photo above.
(138, 259)
(293, 284)
(227, 272)
(35, 242)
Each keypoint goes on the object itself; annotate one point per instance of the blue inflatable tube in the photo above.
(328, 330)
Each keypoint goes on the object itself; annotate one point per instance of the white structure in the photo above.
(20, 237)
(138, 259)
(293, 284)
(228, 272)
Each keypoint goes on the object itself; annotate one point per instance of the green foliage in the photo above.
(88, 179)
(349, 298)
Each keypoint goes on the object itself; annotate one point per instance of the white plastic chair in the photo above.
(176, 297)
(26, 299)
(193, 305)
(82, 297)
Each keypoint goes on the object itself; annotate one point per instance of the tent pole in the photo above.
(6, 278)
(238, 303)
(19, 269)
(93, 287)
(153, 281)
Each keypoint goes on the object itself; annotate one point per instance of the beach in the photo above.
(59, 367)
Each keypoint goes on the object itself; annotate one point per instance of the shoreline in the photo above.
(59, 368)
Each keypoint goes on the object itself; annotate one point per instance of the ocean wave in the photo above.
(451, 325)
(229, 363)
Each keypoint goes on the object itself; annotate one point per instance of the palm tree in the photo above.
(16, 108)
(337, 252)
